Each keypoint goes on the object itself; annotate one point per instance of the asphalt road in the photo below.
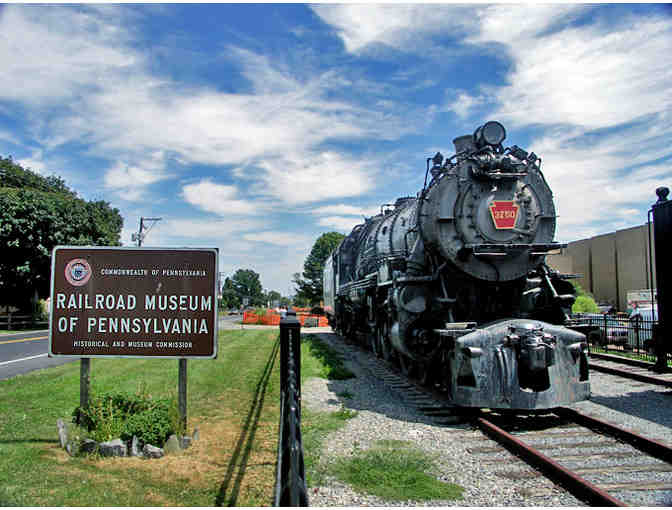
(21, 353)
(24, 352)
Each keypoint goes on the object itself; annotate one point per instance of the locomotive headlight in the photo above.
(490, 133)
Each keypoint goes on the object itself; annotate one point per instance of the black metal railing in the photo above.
(290, 478)
(621, 334)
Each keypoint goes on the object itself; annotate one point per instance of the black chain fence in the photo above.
(290, 482)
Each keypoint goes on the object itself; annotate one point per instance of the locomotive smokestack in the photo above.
(464, 143)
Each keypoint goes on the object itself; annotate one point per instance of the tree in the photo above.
(584, 303)
(36, 214)
(246, 284)
(230, 298)
(309, 288)
(273, 298)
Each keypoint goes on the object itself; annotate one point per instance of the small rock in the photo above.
(135, 447)
(88, 446)
(172, 445)
(185, 442)
(114, 448)
(196, 435)
(62, 432)
(152, 452)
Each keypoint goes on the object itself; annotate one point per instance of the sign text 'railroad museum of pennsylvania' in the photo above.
(133, 302)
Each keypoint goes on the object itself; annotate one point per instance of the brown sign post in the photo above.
(133, 303)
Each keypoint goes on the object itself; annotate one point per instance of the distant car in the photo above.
(605, 308)
(618, 335)
(609, 330)
(642, 321)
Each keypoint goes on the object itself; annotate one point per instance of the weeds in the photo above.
(331, 363)
(395, 471)
(120, 415)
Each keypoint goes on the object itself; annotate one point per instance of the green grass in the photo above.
(625, 354)
(233, 399)
(321, 361)
(395, 471)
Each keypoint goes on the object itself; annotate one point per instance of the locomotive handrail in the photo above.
(290, 478)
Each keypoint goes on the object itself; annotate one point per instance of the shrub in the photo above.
(585, 304)
(153, 425)
(119, 415)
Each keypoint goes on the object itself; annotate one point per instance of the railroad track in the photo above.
(597, 462)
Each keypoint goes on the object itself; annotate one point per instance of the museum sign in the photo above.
(133, 302)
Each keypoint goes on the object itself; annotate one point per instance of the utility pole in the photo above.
(140, 234)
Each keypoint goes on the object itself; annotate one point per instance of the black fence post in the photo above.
(662, 231)
(290, 479)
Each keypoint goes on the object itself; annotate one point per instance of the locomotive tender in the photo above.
(452, 284)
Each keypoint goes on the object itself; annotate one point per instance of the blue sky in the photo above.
(256, 128)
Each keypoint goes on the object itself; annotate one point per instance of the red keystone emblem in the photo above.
(504, 214)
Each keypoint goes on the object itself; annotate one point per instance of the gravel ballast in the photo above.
(385, 413)
(490, 475)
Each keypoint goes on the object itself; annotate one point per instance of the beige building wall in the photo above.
(610, 264)
(632, 248)
(603, 267)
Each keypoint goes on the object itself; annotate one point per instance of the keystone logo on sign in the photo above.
(504, 214)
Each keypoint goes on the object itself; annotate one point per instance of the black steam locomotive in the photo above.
(452, 284)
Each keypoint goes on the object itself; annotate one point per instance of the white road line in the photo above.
(24, 359)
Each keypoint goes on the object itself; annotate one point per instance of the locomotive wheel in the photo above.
(423, 371)
(384, 342)
(407, 365)
(372, 338)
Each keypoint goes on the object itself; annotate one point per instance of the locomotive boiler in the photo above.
(452, 284)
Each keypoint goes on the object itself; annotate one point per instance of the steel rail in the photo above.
(652, 447)
(631, 375)
(579, 487)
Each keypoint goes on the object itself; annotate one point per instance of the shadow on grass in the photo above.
(228, 495)
(334, 368)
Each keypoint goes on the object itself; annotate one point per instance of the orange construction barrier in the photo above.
(271, 318)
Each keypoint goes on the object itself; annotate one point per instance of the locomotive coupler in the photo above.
(535, 349)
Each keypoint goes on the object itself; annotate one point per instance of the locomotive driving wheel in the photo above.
(423, 372)
(384, 341)
(372, 340)
(407, 365)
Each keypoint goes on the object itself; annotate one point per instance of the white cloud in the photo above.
(599, 90)
(47, 56)
(34, 162)
(349, 210)
(312, 177)
(404, 27)
(341, 223)
(594, 75)
(278, 238)
(8, 137)
(463, 104)
(218, 198)
(129, 181)
(103, 94)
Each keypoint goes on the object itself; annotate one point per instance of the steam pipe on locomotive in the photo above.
(453, 285)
